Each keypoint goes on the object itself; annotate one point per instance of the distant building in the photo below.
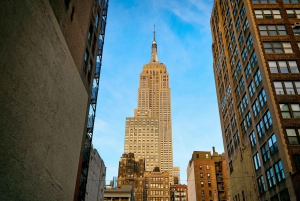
(207, 177)
(157, 185)
(131, 171)
(176, 175)
(179, 192)
(149, 133)
(96, 178)
(256, 64)
(125, 193)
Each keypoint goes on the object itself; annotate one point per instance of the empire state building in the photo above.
(149, 133)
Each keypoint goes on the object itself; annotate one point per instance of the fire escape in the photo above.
(103, 5)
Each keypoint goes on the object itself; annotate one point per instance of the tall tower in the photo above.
(149, 133)
(256, 68)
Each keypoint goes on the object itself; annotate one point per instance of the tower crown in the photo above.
(154, 57)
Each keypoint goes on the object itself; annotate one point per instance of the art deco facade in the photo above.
(149, 133)
(256, 67)
(207, 177)
(131, 171)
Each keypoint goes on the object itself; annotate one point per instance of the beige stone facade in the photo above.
(256, 67)
(151, 128)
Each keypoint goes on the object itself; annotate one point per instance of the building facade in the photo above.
(96, 178)
(256, 68)
(125, 193)
(178, 192)
(131, 171)
(51, 57)
(149, 133)
(176, 175)
(207, 177)
(157, 185)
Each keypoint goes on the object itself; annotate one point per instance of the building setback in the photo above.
(51, 54)
(149, 133)
(207, 177)
(256, 68)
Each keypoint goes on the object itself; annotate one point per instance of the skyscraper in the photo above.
(256, 67)
(149, 133)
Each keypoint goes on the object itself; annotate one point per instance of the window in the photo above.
(248, 119)
(248, 70)
(263, 1)
(296, 30)
(284, 195)
(255, 108)
(290, 1)
(296, 159)
(271, 30)
(257, 78)
(208, 175)
(249, 42)
(202, 184)
(277, 47)
(207, 167)
(252, 139)
(251, 89)
(236, 139)
(202, 192)
(200, 166)
(260, 129)
(209, 184)
(286, 87)
(256, 160)
(241, 39)
(238, 24)
(242, 12)
(261, 184)
(279, 171)
(270, 178)
(242, 83)
(283, 66)
(267, 14)
(265, 152)
(267, 120)
(244, 54)
(293, 135)
(201, 175)
(290, 110)
(273, 144)
(245, 100)
(293, 13)
(246, 25)
(210, 193)
(253, 59)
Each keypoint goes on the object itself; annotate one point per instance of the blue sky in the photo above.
(184, 46)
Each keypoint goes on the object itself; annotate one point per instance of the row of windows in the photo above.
(287, 87)
(273, 1)
(283, 66)
(277, 47)
(290, 110)
(275, 13)
(274, 175)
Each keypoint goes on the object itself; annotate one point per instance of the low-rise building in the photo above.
(178, 192)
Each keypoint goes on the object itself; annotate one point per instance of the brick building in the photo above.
(207, 177)
(256, 67)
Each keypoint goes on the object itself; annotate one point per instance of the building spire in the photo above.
(154, 57)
